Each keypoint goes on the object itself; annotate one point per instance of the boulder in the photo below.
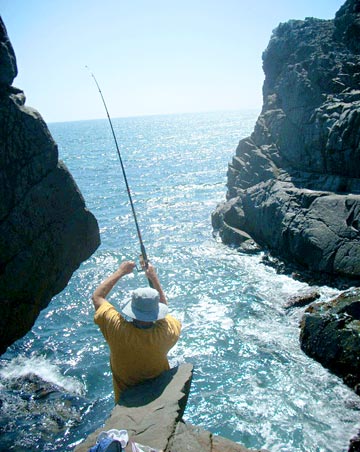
(46, 231)
(299, 301)
(354, 445)
(330, 333)
(42, 409)
(293, 185)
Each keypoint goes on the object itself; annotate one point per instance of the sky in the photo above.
(149, 56)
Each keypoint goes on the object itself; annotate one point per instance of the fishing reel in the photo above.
(143, 264)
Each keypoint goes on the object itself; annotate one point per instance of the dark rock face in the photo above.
(45, 229)
(7, 58)
(294, 184)
(330, 333)
(355, 444)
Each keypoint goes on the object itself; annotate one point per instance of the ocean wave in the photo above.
(22, 366)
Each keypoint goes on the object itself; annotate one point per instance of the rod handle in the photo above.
(144, 264)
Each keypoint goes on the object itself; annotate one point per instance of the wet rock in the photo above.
(33, 410)
(355, 444)
(300, 301)
(31, 386)
(293, 186)
(46, 231)
(330, 333)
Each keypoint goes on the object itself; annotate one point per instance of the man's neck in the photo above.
(142, 325)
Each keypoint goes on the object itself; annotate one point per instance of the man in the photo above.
(138, 348)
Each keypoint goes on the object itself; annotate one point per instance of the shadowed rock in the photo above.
(45, 229)
(294, 184)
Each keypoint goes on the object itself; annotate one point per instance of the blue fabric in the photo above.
(107, 445)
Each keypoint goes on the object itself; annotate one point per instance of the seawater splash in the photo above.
(252, 383)
(21, 367)
(38, 403)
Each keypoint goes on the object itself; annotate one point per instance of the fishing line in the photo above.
(142, 247)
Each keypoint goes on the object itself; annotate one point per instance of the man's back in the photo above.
(136, 354)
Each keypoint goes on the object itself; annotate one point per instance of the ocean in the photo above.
(252, 383)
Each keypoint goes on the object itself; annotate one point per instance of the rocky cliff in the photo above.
(294, 184)
(45, 229)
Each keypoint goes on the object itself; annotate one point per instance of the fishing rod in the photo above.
(142, 247)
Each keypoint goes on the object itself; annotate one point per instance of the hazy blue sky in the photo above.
(149, 56)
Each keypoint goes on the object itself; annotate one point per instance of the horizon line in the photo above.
(145, 115)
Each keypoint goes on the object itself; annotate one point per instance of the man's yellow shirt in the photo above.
(135, 354)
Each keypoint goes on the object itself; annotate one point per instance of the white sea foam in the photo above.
(41, 367)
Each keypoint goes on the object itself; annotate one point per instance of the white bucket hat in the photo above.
(145, 305)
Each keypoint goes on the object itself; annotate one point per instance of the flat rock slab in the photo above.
(150, 411)
(152, 414)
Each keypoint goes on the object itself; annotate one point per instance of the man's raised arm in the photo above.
(101, 292)
(150, 272)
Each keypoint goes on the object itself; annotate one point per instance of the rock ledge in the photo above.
(152, 414)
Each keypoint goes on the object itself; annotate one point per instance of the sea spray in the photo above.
(38, 403)
(22, 366)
